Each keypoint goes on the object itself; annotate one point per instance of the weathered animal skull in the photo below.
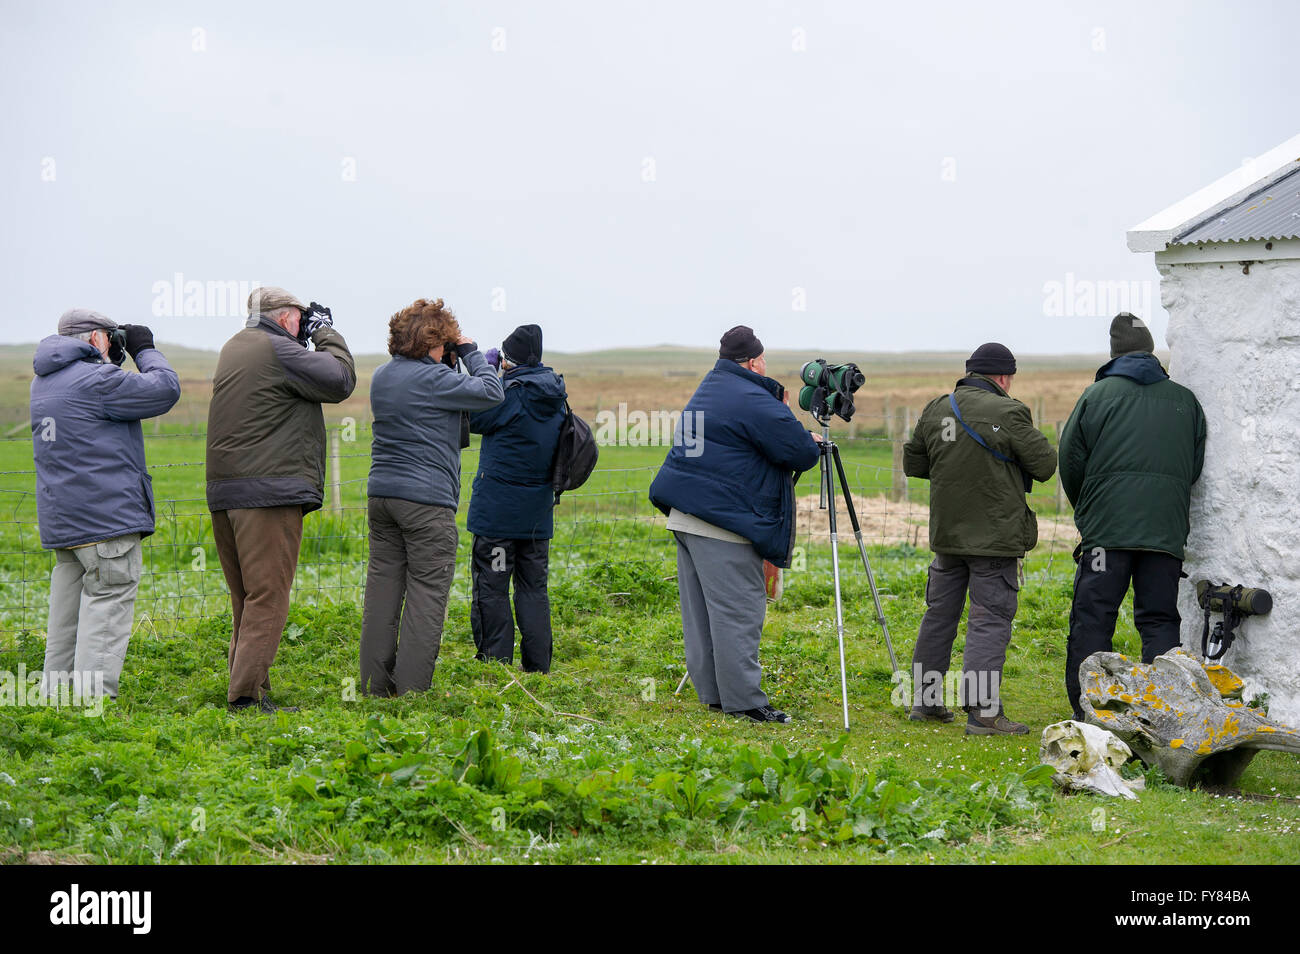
(1086, 758)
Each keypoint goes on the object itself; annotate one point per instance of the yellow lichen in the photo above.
(1175, 743)
(1224, 680)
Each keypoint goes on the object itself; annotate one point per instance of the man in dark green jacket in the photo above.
(266, 468)
(1130, 453)
(981, 452)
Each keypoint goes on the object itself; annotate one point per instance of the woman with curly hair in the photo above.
(417, 400)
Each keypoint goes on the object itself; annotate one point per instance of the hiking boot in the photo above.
(999, 724)
(931, 714)
(763, 714)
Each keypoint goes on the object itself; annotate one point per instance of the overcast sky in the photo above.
(840, 175)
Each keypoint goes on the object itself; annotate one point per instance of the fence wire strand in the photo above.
(608, 521)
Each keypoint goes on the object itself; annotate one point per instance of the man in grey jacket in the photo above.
(94, 497)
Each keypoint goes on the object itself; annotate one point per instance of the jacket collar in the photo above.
(770, 385)
(526, 370)
(984, 383)
(1140, 366)
(266, 324)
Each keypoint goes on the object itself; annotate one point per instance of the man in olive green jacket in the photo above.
(266, 468)
(1130, 453)
(981, 453)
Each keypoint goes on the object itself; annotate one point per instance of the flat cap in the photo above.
(271, 298)
(77, 321)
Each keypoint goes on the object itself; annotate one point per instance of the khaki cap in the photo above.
(271, 298)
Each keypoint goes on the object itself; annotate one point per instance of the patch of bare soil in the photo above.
(888, 522)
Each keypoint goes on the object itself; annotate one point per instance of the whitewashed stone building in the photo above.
(1229, 263)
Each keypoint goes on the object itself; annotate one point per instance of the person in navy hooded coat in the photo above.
(511, 506)
(727, 487)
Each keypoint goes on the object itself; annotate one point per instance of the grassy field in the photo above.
(600, 761)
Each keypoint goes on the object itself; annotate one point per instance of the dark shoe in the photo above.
(266, 706)
(763, 714)
(999, 724)
(931, 714)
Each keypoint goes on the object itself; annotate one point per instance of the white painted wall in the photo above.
(1234, 339)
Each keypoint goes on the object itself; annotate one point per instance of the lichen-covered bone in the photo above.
(1086, 758)
(1176, 713)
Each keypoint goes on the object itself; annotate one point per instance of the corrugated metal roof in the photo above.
(1272, 213)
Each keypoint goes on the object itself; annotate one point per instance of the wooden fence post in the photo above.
(898, 435)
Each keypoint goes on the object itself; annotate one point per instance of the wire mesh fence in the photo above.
(609, 520)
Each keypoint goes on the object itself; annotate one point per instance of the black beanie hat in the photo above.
(1129, 333)
(524, 346)
(739, 344)
(991, 358)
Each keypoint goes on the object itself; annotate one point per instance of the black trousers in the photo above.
(496, 562)
(1100, 583)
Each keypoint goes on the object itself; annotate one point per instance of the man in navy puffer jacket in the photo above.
(94, 497)
(729, 497)
(510, 511)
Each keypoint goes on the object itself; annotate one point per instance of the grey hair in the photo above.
(84, 336)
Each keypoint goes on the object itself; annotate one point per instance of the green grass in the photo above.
(496, 764)
(598, 760)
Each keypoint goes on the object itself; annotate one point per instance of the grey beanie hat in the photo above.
(77, 321)
(1128, 333)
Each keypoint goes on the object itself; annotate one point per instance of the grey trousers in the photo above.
(993, 583)
(412, 561)
(92, 604)
(724, 602)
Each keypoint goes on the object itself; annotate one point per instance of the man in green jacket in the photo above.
(266, 468)
(1130, 453)
(981, 453)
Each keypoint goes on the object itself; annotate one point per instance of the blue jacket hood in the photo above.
(740, 474)
(546, 394)
(1142, 367)
(58, 351)
(775, 387)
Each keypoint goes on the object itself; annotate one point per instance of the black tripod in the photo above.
(830, 452)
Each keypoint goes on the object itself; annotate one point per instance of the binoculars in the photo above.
(1235, 603)
(1238, 600)
(828, 389)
